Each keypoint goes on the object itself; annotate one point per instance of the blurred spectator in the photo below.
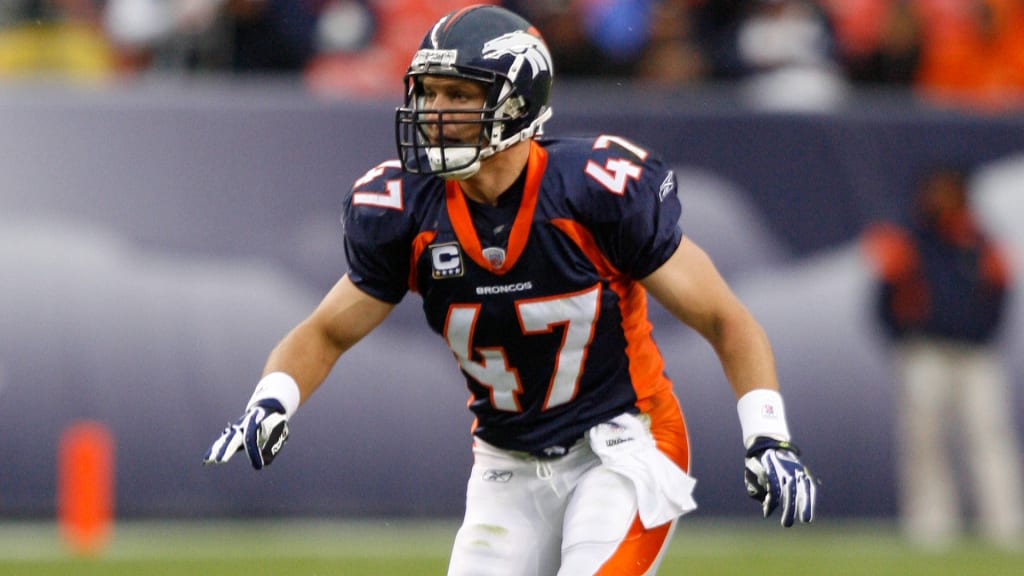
(879, 40)
(792, 54)
(53, 37)
(648, 39)
(366, 47)
(673, 54)
(973, 52)
(783, 50)
(590, 38)
(941, 299)
(261, 36)
(272, 35)
(166, 34)
(344, 26)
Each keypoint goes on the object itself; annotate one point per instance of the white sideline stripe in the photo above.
(39, 540)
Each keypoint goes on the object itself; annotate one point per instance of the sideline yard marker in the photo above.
(85, 486)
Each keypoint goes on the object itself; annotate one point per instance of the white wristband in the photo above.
(281, 387)
(762, 414)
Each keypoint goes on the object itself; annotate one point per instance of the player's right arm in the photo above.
(310, 350)
(295, 368)
(375, 222)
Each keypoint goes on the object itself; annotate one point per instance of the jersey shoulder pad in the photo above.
(378, 205)
(599, 147)
(612, 172)
(372, 188)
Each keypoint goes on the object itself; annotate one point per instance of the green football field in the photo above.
(412, 548)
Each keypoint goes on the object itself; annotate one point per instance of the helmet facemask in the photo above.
(459, 159)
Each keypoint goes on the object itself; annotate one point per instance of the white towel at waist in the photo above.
(626, 446)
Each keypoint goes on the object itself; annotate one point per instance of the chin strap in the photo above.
(467, 160)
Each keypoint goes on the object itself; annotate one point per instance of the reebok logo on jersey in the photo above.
(446, 261)
(500, 476)
(555, 451)
(667, 186)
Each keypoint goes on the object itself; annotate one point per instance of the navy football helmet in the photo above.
(497, 48)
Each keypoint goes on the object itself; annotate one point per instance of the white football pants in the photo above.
(569, 516)
(955, 409)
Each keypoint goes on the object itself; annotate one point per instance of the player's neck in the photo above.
(497, 174)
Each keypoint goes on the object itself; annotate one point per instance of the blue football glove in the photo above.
(776, 477)
(262, 431)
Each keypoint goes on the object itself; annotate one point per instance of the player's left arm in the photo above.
(689, 285)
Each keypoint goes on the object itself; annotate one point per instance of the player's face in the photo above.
(448, 94)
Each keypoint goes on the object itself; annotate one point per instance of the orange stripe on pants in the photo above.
(641, 547)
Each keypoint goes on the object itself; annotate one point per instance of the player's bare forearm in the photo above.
(690, 286)
(744, 351)
(311, 349)
(306, 355)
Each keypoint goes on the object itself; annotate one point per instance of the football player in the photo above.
(533, 258)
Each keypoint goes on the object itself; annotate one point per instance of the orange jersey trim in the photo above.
(419, 244)
(646, 366)
(462, 222)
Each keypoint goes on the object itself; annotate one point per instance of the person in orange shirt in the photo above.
(973, 52)
(943, 287)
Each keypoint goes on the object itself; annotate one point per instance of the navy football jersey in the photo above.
(548, 322)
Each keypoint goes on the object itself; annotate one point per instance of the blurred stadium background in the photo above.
(163, 221)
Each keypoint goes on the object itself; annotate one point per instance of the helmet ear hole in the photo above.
(513, 108)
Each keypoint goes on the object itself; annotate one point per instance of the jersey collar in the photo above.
(462, 222)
